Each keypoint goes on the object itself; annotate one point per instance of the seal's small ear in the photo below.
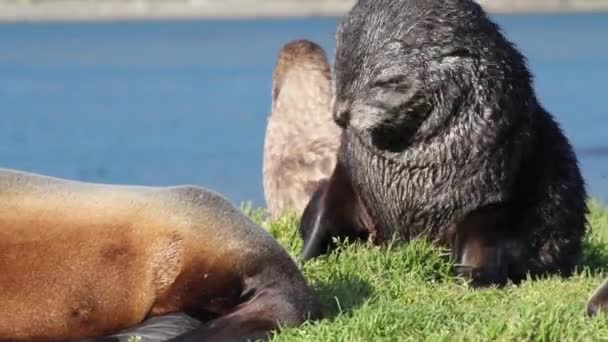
(599, 300)
(277, 83)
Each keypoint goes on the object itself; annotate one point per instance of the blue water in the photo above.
(162, 103)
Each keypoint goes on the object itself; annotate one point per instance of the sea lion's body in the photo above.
(301, 138)
(445, 139)
(84, 260)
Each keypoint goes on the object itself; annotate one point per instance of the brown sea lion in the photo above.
(80, 260)
(301, 138)
(445, 139)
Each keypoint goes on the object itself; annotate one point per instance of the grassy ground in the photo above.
(409, 293)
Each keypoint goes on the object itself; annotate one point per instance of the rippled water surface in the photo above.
(163, 103)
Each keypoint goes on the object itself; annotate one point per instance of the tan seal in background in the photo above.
(301, 138)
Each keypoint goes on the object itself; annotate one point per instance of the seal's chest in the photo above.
(405, 202)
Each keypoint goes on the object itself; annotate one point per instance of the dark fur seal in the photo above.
(444, 138)
(80, 260)
(301, 138)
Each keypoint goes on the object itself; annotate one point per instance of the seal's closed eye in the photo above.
(393, 81)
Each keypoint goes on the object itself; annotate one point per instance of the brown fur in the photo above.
(301, 138)
(81, 260)
(297, 56)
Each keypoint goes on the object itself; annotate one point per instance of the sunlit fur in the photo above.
(83, 260)
(301, 139)
(442, 122)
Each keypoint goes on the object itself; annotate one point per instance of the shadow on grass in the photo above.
(341, 295)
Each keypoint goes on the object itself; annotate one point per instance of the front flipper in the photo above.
(480, 247)
(253, 320)
(333, 211)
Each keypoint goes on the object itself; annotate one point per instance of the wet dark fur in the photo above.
(444, 138)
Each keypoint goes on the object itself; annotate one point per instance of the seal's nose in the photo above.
(341, 115)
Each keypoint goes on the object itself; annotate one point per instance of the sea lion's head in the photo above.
(405, 70)
(382, 81)
(303, 66)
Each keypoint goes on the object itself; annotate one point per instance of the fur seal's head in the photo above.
(300, 62)
(404, 70)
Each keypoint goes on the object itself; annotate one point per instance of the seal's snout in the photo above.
(341, 114)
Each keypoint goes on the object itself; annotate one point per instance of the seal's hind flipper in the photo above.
(160, 328)
(155, 329)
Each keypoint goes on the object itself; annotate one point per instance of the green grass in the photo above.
(409, 293)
